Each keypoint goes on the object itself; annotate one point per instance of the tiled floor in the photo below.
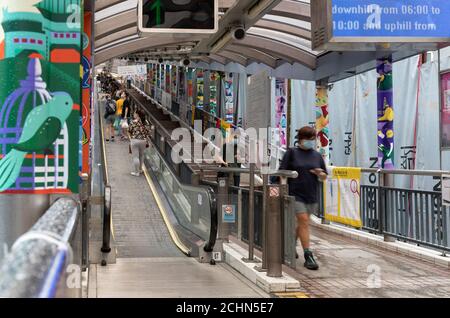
(350, 268)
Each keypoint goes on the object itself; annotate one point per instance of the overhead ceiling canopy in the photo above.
(278, 38)
(280, 34)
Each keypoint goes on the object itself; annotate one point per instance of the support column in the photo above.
(34, 66)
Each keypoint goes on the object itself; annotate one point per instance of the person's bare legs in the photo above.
(303, 235)
(303, 229)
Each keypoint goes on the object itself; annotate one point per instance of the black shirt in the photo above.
(305, 188)
(126, 106)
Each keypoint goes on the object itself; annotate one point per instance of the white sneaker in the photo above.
(136, 174)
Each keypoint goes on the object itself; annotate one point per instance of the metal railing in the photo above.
(261, 216)
(410, 215)
(42, 260)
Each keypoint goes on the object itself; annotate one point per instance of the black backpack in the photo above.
(110, 108)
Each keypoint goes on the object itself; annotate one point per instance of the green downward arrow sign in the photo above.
(156, 6)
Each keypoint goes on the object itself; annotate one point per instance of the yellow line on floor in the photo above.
(163, 212)
(292, 295)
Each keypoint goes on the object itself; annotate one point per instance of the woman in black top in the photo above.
(311, 172)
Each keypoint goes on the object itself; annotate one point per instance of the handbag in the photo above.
(124, 124)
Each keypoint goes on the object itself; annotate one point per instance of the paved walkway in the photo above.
(351, 268)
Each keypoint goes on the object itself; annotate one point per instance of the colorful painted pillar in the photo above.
(87, 91)
(40, 97)
(322, 121)
(385, 100)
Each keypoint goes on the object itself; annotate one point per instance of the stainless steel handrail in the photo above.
(36, 266)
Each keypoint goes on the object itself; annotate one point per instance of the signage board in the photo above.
(228, 213)
(175, 16)
(380, 21)
(132, 70)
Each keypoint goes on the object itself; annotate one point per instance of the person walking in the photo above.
(311, 170)
(110, 117)
(126, 114)
(139, 136)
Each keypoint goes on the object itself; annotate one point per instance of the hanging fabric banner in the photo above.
(213, 83)
(86, 85)
(281, 110)
(342, 196)
(229, 98)
(445, 113)
(40, 96)
(322, 122)
(385, 113)
(200, 89)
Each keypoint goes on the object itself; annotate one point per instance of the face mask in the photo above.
(309, 144)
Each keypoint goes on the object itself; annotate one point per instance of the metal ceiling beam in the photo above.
(115, 23)
(234, 57)
(285, 28)
(116, 36)
(237, 14)
(253, 54)
(103, 4)
(140, 44)
(293, 9)
(277, 48)
(218, 58)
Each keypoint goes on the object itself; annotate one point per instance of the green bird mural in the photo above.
(41, 129)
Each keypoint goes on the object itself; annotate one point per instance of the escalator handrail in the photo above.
(107, 193)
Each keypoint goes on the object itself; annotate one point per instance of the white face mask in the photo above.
(309, 144)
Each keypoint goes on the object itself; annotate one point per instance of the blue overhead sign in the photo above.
(391, 19)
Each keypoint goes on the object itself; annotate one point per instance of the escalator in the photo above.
(156, 218)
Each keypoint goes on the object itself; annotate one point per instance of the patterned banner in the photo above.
(445, 114)
(322, 121)
(213, 81)
(385, 113)
(86, 85)
(229, 98)
(281, 109)
(200, 89)
(40, 96)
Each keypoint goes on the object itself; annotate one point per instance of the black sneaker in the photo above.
(296, 255)
(310, 262)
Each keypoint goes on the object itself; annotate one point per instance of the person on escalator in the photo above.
(139, 136)
(110, 117)
(311, 170)
(126, 115)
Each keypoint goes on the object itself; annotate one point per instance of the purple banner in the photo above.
(385, 113)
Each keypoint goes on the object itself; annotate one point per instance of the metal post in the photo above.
(274, 241)
(265, 221)
(239, 212)
(251, 214)
(386, 180)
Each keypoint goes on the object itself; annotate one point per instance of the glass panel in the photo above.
(191, 205)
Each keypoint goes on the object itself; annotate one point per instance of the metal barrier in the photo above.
(46, 261)
(410, 215)
(261, 217)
